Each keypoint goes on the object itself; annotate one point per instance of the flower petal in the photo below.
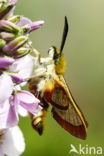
(16, 78)
(28, 101)
(5, 61)
(8, 115)
(35, 25)
(27, 97)
(6, 87)
(24, 21)
(13, 142)
(23, 66)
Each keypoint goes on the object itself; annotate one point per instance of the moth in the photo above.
(49, 86)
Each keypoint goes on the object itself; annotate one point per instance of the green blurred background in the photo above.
(84, 54)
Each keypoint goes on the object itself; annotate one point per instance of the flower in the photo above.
(9, 108)
(12, 142)
(5, 61)
(16, 65)
(32, 26)
(12, 47)
(23, 67)
(14, 30)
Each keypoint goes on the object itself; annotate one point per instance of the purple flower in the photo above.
(8, 114)
(12, 46)
(35, 25)
(28, 25)
(27, 101)
(14, 42)
(28, 28)
(23, 66)
(9, 108)
(6, 61)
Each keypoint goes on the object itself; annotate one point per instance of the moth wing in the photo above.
(65, 111)
(56, 94)
(70, 121)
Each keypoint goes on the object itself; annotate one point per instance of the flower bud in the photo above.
(14, 19)
(21, 52)
(9, 26)
(5, 61)
(2, 3)
(32, 26)
(7, 36)
(5, 10)
(16, 78)
(2, 43)
(11, 47)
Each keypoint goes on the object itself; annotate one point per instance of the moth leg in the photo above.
(36, 52)
(36, 76)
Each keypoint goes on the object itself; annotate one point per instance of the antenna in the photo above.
(65, 32)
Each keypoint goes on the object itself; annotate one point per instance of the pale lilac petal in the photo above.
(23, 66)
(13, 112)
(16, 78)
(31, 107)
(27, 97)
(35, 25)
(6, 87)
(5, 61)
(13, 142)
(8, 115)
(28, 101)
(24, 21)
